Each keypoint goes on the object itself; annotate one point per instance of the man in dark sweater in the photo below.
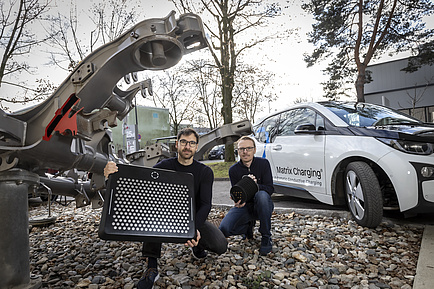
(209, 237)
(241, 219)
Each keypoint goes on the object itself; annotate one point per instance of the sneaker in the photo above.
(266, 245)
(198, 253)
(147, 281)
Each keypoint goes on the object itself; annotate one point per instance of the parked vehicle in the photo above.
(368, 156)
(217, 153)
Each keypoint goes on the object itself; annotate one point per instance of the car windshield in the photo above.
(216, 149)
(365, 114)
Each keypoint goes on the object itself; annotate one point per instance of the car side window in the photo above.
(319, 124)
(292, 118)
(286, 122)
(267, 130)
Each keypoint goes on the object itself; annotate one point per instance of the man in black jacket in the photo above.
(209, 237)
(241, 219)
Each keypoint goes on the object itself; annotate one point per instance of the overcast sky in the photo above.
(293, 79)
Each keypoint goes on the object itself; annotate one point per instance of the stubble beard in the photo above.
(184, 154)
(246, 157)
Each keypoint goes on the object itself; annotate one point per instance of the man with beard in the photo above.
(209, 237)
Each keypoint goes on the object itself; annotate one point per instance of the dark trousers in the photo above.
(211, 239)
(237, 220)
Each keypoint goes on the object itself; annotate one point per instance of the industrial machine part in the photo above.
(225, 134)
(69, 130)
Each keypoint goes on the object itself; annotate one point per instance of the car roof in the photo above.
(336, 120)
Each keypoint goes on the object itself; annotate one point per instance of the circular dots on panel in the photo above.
(150, 206)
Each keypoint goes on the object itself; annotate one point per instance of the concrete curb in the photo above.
(280, 210)
(425, 264)
(221, 179)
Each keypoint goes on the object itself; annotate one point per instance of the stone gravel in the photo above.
(309, 252)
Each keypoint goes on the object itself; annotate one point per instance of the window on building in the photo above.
(430, 113)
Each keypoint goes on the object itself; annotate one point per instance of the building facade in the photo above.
(151, 123)
(412, 93)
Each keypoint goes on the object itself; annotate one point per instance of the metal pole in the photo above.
(137, 125)
(14, 225)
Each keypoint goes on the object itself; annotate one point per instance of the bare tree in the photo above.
(69, 49)
(253, 88)
(204, 78)
(173, 95)
(110, 19)
(417, 95)
(17, 41)
(228, 27)
(43, 90)
(300, 100)
(113, 18)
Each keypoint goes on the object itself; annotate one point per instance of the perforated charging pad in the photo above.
(148, 204)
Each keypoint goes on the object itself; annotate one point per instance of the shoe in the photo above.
(266, 246)
(249, 234)
(198, 253)
(147, 281)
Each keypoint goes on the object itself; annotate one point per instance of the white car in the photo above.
(368, 156)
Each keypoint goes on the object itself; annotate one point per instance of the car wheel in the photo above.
(363, 194)
(222, 156)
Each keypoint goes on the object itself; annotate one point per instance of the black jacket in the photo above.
(203, 180)
(259, 167)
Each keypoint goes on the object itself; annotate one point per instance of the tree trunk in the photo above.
(228, 84)
(360, 84)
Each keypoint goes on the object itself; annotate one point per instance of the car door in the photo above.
(298, 158)
(265, 133)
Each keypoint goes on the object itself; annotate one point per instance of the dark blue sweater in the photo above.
(259, 167)
(203, 179)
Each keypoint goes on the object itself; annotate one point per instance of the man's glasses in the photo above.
(184, 142)
(247, 149)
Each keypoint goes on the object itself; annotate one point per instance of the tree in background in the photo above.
(229, 23)
(416, 96)
(352, 33)
(17, 41)
(109, 20)
(172, 93)
(44, 88)
(424, 55)
(205, 82)
(27, 23)
(253, 88)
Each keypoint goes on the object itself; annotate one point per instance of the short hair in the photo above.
(245, 137)
(188, 131)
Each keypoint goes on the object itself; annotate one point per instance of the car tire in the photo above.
(222, 156)
(363, 194)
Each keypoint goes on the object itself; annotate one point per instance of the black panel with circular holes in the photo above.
(148, 204)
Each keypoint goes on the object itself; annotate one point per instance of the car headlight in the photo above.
(411, 147)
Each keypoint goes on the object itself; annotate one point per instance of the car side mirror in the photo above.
(306, 129)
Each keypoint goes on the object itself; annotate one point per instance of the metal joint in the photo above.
(82, 73)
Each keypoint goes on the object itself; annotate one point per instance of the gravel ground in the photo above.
(309, 252)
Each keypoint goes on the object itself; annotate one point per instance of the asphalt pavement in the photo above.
(425, 266)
